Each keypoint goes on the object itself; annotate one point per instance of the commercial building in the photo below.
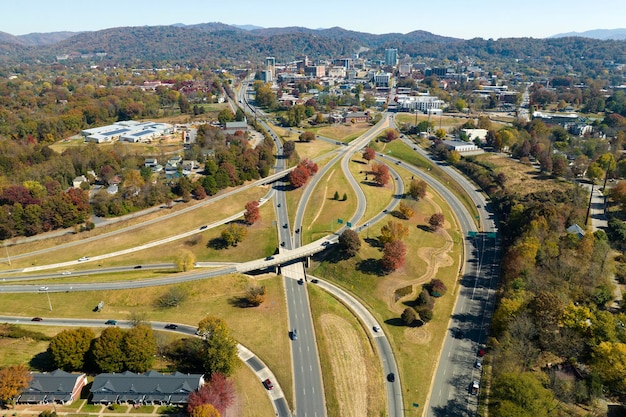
(391, 57)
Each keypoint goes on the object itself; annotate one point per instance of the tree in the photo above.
(436, 221)
(107, 352)
(233, 234)
(298, 176)
(199, 192)
(417, 189)
(618, 193)
(225, 115)
(609, 360)
(255, 295)
(172, 298)
(69, 348)
(13, 379)
(394, 254)
(453, 157)
(289, 147)
(349, 242)
(408, 316)
(381, 174)
(436, 287)
(524, 390)
(369, 154)
(139, 348)
(441, 133)
(336, 196)
(218, 392)
(220, 349)
(185, 260)
(594, 171)
(393, 231)
(405, 210)
(307, 136)
(391, 134)
(252, 214)
(203, 410)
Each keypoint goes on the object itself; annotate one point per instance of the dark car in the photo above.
(171, 326)
(268, 384)
(203, 227)
(300, 281)
(137, 267)
(294, 334)
(111, 322)
(36, 319)
(269, 258)
(391, 377)
(314, 281)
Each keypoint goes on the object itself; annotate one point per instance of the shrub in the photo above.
(425, 314)
(408, 316)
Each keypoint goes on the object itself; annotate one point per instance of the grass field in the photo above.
(323, 210)
(429, 255)
(377, 197)
(343, 132)
(353, 377)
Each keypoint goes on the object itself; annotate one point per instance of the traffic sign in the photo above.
(416, 405)
(472, 234)
(340, 221)
(349, 224)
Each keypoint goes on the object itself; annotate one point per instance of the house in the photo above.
(576, 230)
(357, 116)
(53, 387)
(150, 162)
(76, 182)
(149, 388)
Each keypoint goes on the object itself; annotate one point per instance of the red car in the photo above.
(268, 384)
(481, 352)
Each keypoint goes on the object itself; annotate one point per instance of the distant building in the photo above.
(460, 146)
(391, 57)
(130, 131)
(472, 134)
(358, 116)
(382, 80)
(233, 127)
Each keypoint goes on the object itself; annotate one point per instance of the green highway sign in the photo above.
(340, 221)
(349, 224)
(416, 405)
(472, 234)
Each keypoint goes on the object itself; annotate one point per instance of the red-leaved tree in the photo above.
(299, 176)
(219, 392)
(381, 174)
(394, 255)
(369, 154)
(309, 165)
(252, 214)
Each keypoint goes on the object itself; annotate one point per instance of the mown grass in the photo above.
(343, 132)
(416, 349)
(377, 197)
(323, 303)
(262, 329)
(323, 210)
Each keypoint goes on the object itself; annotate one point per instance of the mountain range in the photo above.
(218, 42)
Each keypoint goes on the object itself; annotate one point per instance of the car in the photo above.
(314, 281)
(268, 384)
(111, 322)
(282, 243)
(474, 387)
(36, 319)
(300, 281)
(83, 259)
(278, 205)
(171, 326)
(66, 273)
(269, 258)
(285, 226)
(398, 162)
(478, 364)
(325, 243)
(294, 334)
(376, 329)
(481, 352)
(477, 205)
(203, 227)
(43, 288)
(298, 230)
(391, 377)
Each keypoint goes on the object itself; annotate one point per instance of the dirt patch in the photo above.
(418, 335)
(347, 364)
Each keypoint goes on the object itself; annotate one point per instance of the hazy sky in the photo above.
(457, 18)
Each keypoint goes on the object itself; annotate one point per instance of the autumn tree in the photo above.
(609, 360)
(172, 297)
(69, 348)
(219, 392)
(417, 189)
(289, 147)
(453, 157)
(107, 352)
(13, 380)
(255, 295)
(203, 410)
(139, 348)
(233, 234)
(369, 154)
(307, 136)
(349, 242)
(618, 193)
(301, 173)
(409, 316)
(220, 349)
(436, 221)
(252, 214)
(381, 174)
(185, 260)
(393, 231)
(391, 134)
(394, 254)
(406, 212)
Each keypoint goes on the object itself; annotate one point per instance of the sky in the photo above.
(464, 19)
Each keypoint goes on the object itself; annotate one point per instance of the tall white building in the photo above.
(391, 57)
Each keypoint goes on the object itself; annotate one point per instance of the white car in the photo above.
(376, 329)
(66, 273)
(43, 288)
(83, 259)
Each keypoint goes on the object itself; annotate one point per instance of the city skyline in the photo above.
(455, 18)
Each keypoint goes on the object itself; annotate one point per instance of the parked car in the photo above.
(268, 384)
(474, 388)
(36, 319)
(171, 326)
(478, 364)
(111, 322)
(481, 352)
